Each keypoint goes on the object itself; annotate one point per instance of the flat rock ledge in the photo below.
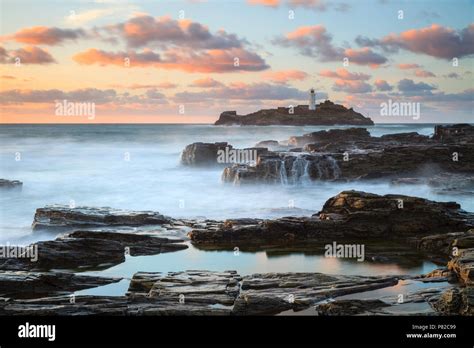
(90, 249)
(61, 217)
(206, 293)
(21, 284)
(352, 215)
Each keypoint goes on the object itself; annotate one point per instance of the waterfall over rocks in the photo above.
(303, 168)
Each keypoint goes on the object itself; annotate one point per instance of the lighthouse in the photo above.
(312, 99)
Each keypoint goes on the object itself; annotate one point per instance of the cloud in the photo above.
(452, 75)
(424, 73)
(407, 66)
(243, 91)
(41, 35)
(344, 74)
(436, 41)
(268, 3)
(351, 86)
(8, 77)
(91, 95)
(17, 96)
(316, 5)
(26, 55)
(84, 17)
(206, 82)
(407, 86)
(208, 61)
(382, 85)
(364, 56)
(163, 85)
(285, 76)
(315, 41)
(144, 30)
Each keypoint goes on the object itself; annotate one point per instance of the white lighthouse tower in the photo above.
(312, 99)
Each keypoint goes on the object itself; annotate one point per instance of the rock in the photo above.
(90, 249)
(272, 293)
(203, 287)
(59, 217)
(205, 293)
(21, 284)
(326, 113)
(284, 168)
(10, 184)
(437, 275)
(202, 153)
(443, 243)
(351, 307)
(463, 266)
(458, 133)
(271, 145)
(206, 154)
(322, 138)
(456, 301)
(349, 215)
(353, 154)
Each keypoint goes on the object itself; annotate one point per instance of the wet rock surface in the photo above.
(21, 284)
(60, 217)
(351, 307)
(205, 293)
(353, 154)
(350, 214)
(197, 154)
(90, 249)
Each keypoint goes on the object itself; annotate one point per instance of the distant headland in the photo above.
(326, 113)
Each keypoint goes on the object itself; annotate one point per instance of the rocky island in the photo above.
(325, 114)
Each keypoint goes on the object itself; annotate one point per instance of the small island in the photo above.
(324, 114)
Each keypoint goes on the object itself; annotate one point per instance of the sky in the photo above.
(187, 61)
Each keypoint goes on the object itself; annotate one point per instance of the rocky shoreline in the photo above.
(353, 154)
(427, 227)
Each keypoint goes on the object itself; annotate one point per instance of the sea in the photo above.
(137, 167)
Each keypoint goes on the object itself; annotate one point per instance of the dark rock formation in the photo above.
(456, 301)
(202, 153)
(10, 184)
(326, 113)
(20, 284)
(457, 133)
(91, 249)
(322, 138)
(205, 154)
(352, 154)
(59, 217)
(350, 214)
(463, 266)
(351, 307)
(206, 293)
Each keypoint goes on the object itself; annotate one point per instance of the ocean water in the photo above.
(137, 167)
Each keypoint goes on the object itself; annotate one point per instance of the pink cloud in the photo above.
(285, 76)
(199, 61)
(344, 74)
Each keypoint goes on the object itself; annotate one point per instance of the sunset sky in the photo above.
(145, 61)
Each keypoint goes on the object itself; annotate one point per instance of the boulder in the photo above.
(61, 217)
